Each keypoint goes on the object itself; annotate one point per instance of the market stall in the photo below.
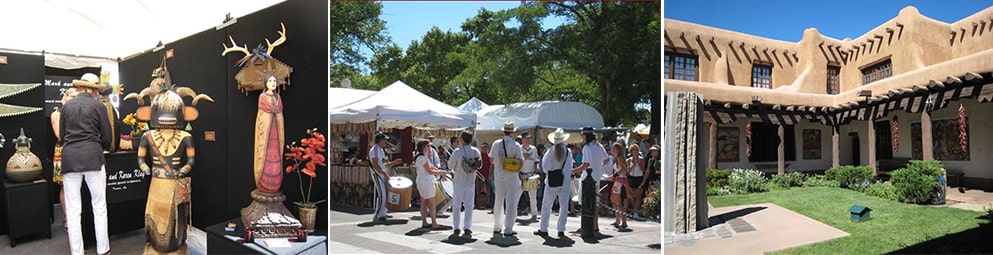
(539, 118)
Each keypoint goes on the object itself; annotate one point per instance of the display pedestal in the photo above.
(262, 204)
(28, 209)
(223, 242)
(184, 249)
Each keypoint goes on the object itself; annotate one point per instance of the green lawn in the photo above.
(894, 227)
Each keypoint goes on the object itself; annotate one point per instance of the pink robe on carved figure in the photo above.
(269, 140)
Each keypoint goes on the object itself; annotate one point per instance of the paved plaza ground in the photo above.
(352, 231)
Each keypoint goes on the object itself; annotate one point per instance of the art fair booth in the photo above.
(399, 111)
(540, 119)
(203, 176)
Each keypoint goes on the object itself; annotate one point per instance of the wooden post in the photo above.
(926, 139)
(871, 139)
(782, 150)
(836, 146)
(712, 154)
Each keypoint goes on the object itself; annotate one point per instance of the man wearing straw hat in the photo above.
(378, 165)
(86, 134)
(557, 163)
(506, 184)
(434, 158)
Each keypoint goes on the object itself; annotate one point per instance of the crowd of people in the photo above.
(511, 171)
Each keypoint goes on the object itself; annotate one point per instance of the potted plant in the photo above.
(304, 158)
(137, 128)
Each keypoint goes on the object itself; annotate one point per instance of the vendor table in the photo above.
(127, 192)
(223, 242)
(28, 209)
(351, 185)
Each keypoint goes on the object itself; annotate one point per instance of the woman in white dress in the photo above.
(425, 185)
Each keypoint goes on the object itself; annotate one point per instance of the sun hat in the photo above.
(557, 137)
(509, 126)
(89, 80)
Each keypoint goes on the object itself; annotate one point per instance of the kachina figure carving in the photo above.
(260, 71)
(170, 151)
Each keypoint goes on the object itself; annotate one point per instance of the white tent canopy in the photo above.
(398, 106)
(111, 28)
(473, 105)
(540, 118)
(344, 96)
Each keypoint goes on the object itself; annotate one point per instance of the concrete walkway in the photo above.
(752, 229)
(968, 199)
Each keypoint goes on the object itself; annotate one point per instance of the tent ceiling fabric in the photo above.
(473, 105)
(112, 28)
(545, 114)
(399, 106)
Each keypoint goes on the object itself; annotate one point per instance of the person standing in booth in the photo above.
(378, 164)
(507, 156)
(556, 163)
(464, 162)
(529, 168)
(57, 155)
(485, 183)
(86, 133)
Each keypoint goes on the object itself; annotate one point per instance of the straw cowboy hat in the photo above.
(509, 126)
(428, 135)
(557, 137)
(89, 80)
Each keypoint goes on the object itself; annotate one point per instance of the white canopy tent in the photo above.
(540, 118)
(473, 105)
(398, 106)
(98, 33)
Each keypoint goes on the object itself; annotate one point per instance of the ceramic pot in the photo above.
(23, 166)
(126, 142)
(308, 216)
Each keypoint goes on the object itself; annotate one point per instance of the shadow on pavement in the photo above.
(724, 217)
(656, 246)
(504, 241)
(525, 222)
(418, 232)
(596, 238)
(562, 242)
(975, 240)
(351, 209)
(384, 222)
(459, 239)
(625, 230)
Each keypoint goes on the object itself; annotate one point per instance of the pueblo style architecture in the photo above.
(911, 88)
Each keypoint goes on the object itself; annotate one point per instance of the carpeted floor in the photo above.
(126, 243)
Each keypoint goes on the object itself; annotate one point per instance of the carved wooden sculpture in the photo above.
(260, 71)
(170, 148)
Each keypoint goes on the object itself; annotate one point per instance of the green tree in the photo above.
(354, 26)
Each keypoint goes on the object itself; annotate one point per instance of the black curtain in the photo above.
(24, 68)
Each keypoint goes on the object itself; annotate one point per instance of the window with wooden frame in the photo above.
(762, 76)
(765, 142)
(833, 80)
(680, 66)
(878, 71)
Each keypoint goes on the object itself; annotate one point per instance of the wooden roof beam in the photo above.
(936, 84)
(973, 76)
(919, 88)
(953, 79)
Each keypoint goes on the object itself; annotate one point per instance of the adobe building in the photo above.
(821, 102)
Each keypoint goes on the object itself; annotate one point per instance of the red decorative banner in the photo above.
(963, 126)
(896, 133)
(748, 140)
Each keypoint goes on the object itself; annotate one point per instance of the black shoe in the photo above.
(562, 234)
(389, 216)
(540, 233)
(458, 232)
(512, 233)
(379, 219)
(468, 232)
(497, 232)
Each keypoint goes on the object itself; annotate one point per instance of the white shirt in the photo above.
(378, 156)
(530, 154)
(422, 173)
(434, 158)
(455, 163)
(594, 154)
(497, 154)
(549, 163)
(636, 170)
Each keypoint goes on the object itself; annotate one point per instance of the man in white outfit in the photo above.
(557, 163)
(379, 166)
(464, 162)
(594, 157)
(529, 167)
(506, 184)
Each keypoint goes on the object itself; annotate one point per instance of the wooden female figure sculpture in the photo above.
(269, 139)
(171, 153)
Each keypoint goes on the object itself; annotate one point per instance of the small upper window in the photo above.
(876, 72)
(833, 82)
(680, 66)
(762, 76)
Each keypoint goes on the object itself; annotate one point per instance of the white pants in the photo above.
(379, 197)
(533, 195)
(508, 194)
(563, 193)
(96, 181)
(465, 195)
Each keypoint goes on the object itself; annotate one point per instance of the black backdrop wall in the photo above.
(223, 175)
(21, 68)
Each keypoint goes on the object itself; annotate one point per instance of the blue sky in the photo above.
(407, 21)
(786, 20)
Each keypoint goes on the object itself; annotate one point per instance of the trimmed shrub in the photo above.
(853, 177)
(788, 179)
(770, 186)
(715, 191)
(820, 181)
(918, 182)
(652, 205)
(717, 178)
(746, 181)
(882, 190)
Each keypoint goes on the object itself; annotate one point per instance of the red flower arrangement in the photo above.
(305, 158)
